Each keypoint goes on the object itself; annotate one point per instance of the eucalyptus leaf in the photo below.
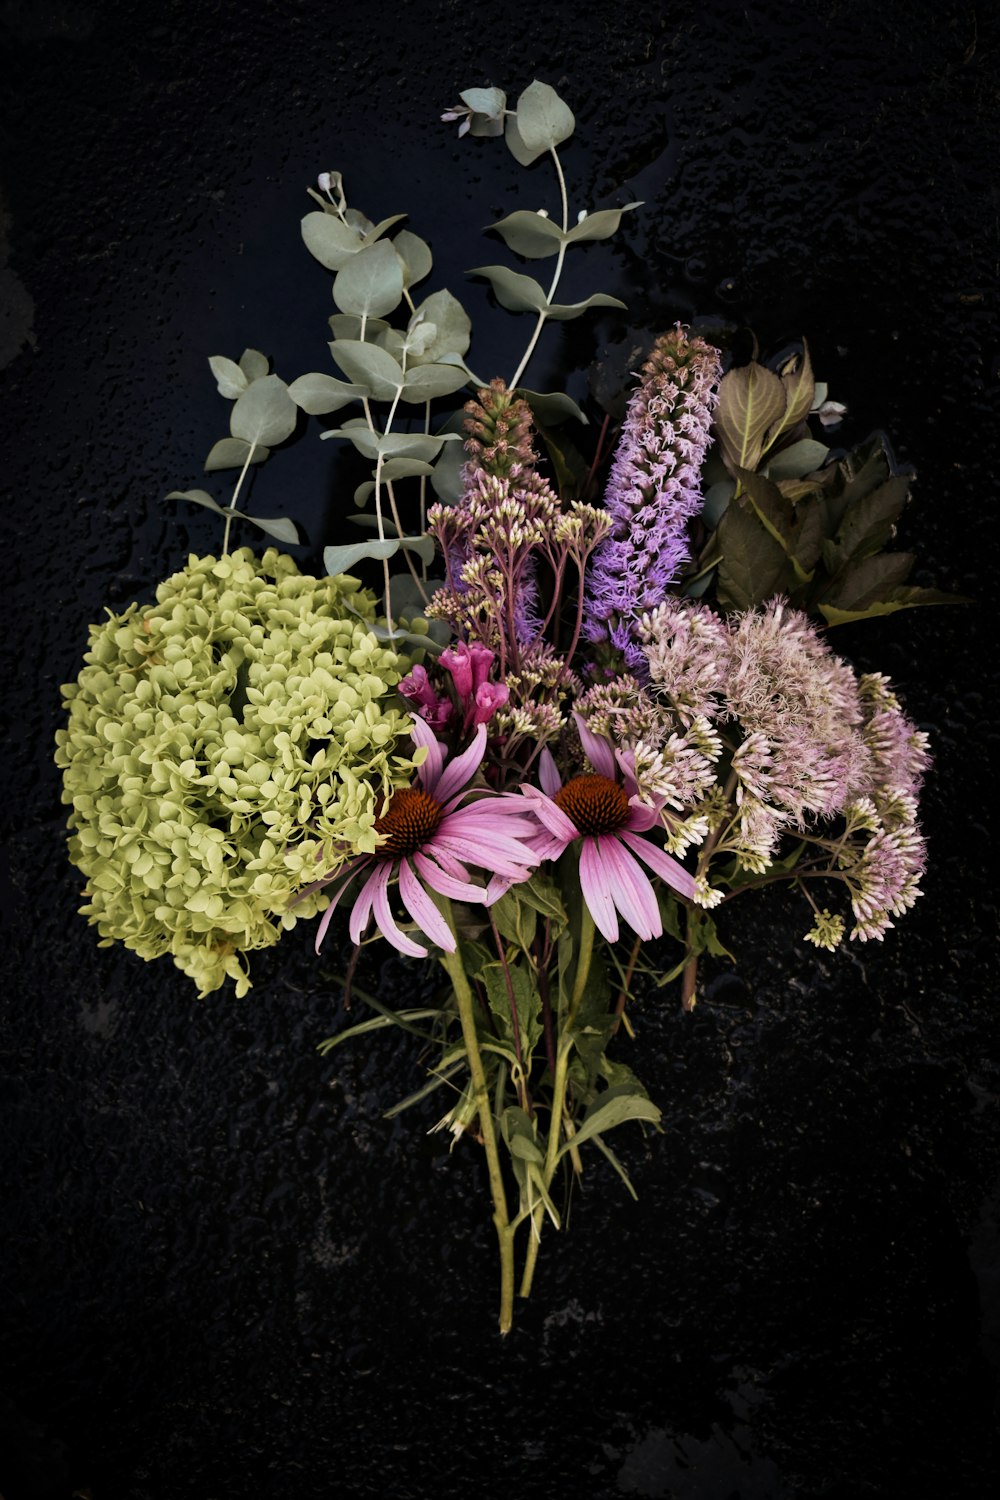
(453, 327)
(337, 560)
(368, 365)
(426, 382)
(281, 527)
(512, 290)
(543, 119)
(371, 283)
(362, 495)
(231, 453)
(278, 526)
(378, 230)
(360, 434)
(552, 407)
(411, 445)
(320, 394)
(405, 468)
(264, 413)
(515, 145)
(254, 364)
(330, 240)
(532, 235)
(601, 224)
(562, 312)
(230, 379)
(446, 480)
(490, 102)
(803, 457)
(415, 256)
(347, 326)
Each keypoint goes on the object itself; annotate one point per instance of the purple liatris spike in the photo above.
(654, 489)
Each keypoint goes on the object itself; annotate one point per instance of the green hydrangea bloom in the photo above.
(220, 743)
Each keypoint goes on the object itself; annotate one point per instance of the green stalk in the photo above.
(559, 1093)
(501, 1218)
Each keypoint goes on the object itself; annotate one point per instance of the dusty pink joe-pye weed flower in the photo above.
(604, 810)
(432, 835)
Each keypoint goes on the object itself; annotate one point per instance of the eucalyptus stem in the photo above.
(231, 508)
(455, 970)
(513, 382)
(559, 1093)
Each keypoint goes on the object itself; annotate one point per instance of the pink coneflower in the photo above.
(603, 809)
(430, 838)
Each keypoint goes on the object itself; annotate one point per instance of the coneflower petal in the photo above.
(461, 770)
(548, 773)
(594, 886)
(596, 749)
(387, 922)
(661, 864)
(553, 817)
(445, 882)
(325, 919)
(362, 908)
(429, 773)
(422, 909)
(630, 888)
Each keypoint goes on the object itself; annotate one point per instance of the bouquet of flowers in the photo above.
(597, 703)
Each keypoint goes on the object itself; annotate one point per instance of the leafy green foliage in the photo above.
(787, 521)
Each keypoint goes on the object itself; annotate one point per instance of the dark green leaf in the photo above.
(753, 565)
(797, 459)
(861, 584)
(900, 598)
(869, 523)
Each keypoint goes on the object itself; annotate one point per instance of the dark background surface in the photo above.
(223, 1273)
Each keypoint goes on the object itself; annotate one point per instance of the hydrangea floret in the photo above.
(218, 741)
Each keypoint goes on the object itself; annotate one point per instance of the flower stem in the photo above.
(455, 970)
(559, 1093)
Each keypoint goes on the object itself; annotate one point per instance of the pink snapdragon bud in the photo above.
(417, 689)
(482, 659)
(489, 697)
(457, 660)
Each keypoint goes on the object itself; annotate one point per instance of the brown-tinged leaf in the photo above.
(800, 386)
(860, 584)
(753, 565)
(751, 403)
(900, 598)
(868, 523)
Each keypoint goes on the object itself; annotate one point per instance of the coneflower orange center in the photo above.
(596, 804)
(410, 819)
